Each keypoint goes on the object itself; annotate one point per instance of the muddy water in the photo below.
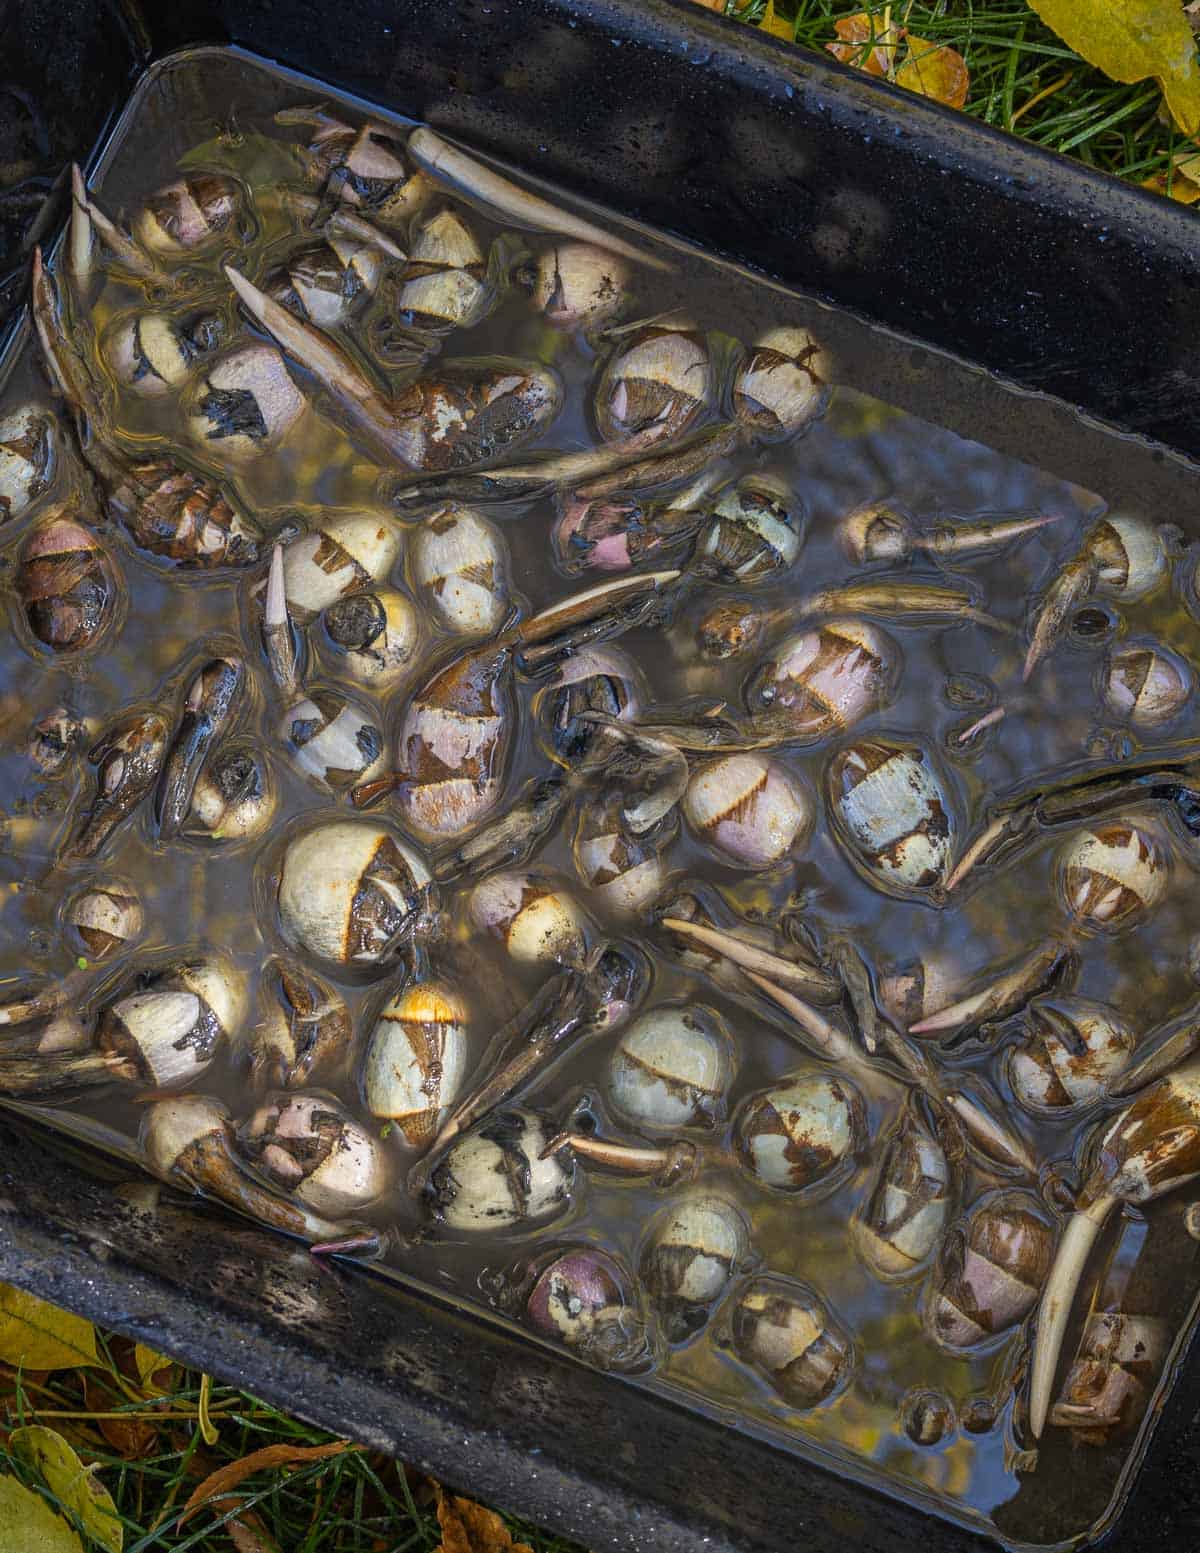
(215, 110)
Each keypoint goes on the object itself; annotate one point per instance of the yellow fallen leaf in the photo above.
(934, 71)
(27, 1522)
(866, 42)
(76, 1488)
(1182, 189)
(1182, 182)
(1189, 166)
(149, 1363)
(778, 26)
(40, 1336)
(1131, 40)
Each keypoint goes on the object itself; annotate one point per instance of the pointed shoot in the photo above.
(310, 347)
(1176, 1049)
(948, 540)
(126, 252)
(279, 642)
(80, 251)
(823, 1036)
(590, 605)
(1068, 590)
(1055, 1309)
(781, 972)
(332, 366)
(448, 165)
(994, 1139)
(978, 851)
(964, 1012)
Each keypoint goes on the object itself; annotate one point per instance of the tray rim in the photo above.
(144, 81)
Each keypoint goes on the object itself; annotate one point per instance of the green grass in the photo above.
(1024, 79)
(355, 1502)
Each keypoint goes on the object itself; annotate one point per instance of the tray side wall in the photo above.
(489, 1413)
(1060, 279)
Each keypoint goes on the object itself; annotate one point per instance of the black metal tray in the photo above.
(1062, 282)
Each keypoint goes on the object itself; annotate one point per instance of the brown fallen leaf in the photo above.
(1132, 41)
(228, 1477)
(132, 1434)
(131, 1437)
(248, 1531)
(933, 70)
(866, 42)
(468, 1528)
(31, 1379)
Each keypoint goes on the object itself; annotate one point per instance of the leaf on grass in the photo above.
(75, 1486)
(468, 1528)
(865, 43)
(933, 70)
(777, 26)
(248, 1540)
(228, 1477)
(1178, 187)
(130, 1436)
(40, 1336)
(27, 1522)
(1182, 190)
(148, 1364)
(130, 1431)
(1182, 181)
(247, 1532)
(1133, 39)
